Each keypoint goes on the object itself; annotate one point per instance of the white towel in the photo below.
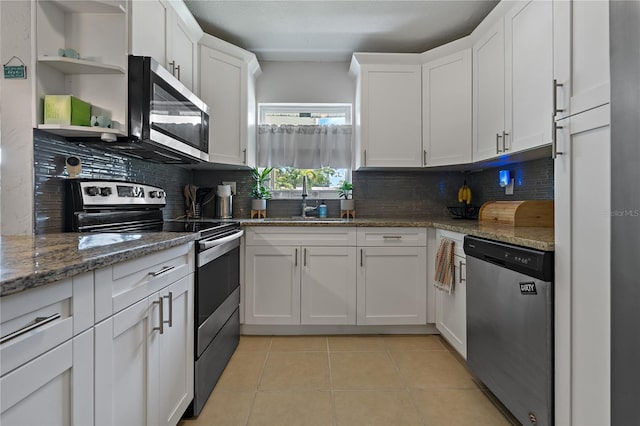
(445, 266)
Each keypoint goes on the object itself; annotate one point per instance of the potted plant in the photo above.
(344, 192)
(259, 192)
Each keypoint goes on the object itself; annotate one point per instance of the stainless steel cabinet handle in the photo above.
(556, 85)
(161, 311)
(38, 322)
(296, 259)
(392, 237)
(504, 141)
(162, 271)
(244, 156)
(460, 265)
(554, 139)
(424, 158)
(305, 257)
(178, 69)
(365, 157)
(498, 136)
(172, 65)
(361, 257)
(170, 297)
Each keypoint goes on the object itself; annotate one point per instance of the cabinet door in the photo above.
(528, 74)
(391, 116)
(488, 93)
(328, 285)
(392, 285)
(54, 389)
(272, 293)
(149, 23)
(582, 274)
(176, 359)
(446, 114)
(581, 55)
(223, 87)
(126, 366)
(451, 310)
(181, 52)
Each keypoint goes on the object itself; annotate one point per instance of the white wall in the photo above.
(305, 82)
(17, 109)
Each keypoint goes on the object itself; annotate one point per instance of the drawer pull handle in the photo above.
(38, 322)
(170, 297)
(305, 257)
(162, 271)
(361, 258)
(392, 237)
(296, 259)
(161, 312)
(460, 265)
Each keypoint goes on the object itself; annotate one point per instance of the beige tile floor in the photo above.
(348, 380)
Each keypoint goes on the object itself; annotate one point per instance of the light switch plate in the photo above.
(508, 190)
(232, 185)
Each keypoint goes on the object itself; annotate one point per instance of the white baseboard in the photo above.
(291, 330)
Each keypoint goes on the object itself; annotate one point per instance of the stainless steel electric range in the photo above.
(118, 206)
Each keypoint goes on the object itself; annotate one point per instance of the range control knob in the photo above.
(105, 191)
(93, 190)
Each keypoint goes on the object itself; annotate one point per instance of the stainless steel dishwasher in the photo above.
(510, 325)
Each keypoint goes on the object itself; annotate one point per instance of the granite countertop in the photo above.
(532, 237)
(34, 260)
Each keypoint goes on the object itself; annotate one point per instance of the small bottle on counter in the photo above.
(322, 209)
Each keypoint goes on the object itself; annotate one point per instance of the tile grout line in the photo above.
(407, 388)
(255, 391)
(332, 395)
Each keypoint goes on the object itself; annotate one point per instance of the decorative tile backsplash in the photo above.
(393, 194)
(50, 153)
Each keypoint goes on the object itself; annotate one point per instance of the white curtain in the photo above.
(304, 147)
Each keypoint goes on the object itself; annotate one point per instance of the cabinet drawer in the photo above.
(392, 237)
(456, 237)
(296, 236)
(125, 283)
(37, 320)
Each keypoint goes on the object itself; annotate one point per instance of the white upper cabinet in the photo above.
(488, 93)
(529, 75)
(388, 112)
(446, 109)
(99, 76)
(166, 31)
(227, 85)
(512, 74)
(581, 55)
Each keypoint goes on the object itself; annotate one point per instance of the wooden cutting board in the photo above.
(518, 213)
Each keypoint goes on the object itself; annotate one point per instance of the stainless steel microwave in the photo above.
(167, 122)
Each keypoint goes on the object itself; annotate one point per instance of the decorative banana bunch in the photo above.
(464, 194)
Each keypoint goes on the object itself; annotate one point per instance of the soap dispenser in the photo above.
(322, 209)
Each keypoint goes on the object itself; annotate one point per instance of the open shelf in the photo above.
(78, 131)
(79, 66)
(92, 6)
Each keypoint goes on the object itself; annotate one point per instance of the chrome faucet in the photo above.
(306, 209)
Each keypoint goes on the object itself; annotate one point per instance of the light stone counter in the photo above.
(532, 237)
(34, 260)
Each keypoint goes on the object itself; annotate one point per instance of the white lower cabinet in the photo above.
(392, 276)
(451, 309)
(144, 359)
(300, 285)
(55, 388)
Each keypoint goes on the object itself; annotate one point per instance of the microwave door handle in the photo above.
(213, 241)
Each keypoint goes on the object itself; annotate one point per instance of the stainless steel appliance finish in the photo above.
(510, 326)
(624, 24)
(224, 207)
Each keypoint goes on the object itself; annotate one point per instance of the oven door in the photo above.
(217, 289)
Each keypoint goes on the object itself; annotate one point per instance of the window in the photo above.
(312, 140)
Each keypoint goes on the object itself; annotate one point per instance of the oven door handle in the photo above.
(212, 242)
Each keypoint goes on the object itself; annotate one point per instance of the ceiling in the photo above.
(331, 30)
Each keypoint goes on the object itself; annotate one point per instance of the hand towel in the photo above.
(445, 266)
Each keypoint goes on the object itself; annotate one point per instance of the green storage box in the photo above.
(66, 110)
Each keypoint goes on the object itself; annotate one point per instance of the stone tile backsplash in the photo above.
(50, 153)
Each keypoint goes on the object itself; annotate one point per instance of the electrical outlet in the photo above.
(508, 190)
(232, 185)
